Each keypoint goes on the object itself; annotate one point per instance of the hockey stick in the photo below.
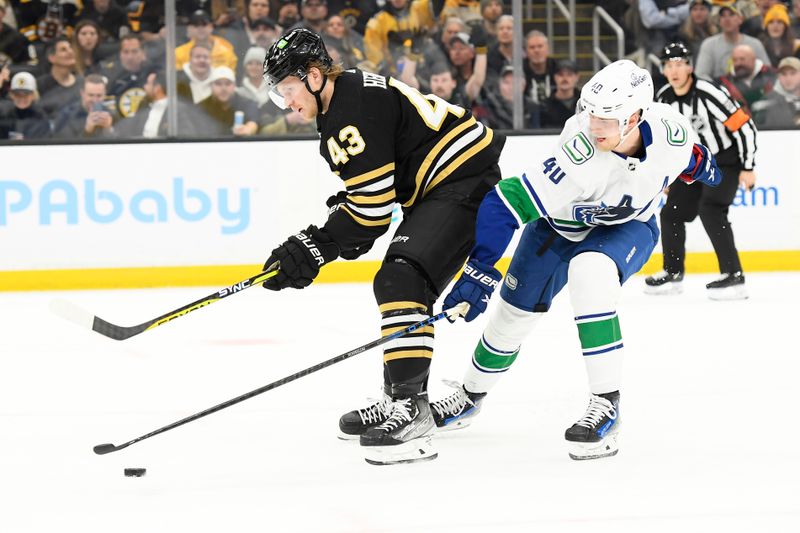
(85, 319)
(102, 449)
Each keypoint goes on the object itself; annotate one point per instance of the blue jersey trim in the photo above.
(495, 350)
(597, 315)
(604, 350)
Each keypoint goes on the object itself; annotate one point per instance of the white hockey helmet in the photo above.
(617, 92)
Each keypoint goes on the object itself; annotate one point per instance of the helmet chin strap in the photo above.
(623, 135)
(317, 93)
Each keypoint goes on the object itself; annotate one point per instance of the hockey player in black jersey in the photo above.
(389, 145)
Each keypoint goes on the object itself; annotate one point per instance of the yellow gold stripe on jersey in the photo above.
(395, 306)
(406, 354)
(459, 139)
(369, 176)
(485, 141)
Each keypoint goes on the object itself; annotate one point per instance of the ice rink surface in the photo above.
(709, 442)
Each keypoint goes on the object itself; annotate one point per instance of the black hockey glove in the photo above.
(478, 39)
(334, 203)
(301, 257)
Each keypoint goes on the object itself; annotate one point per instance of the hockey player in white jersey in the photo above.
(588, 216)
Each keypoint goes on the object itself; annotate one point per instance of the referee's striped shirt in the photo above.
(716, 118)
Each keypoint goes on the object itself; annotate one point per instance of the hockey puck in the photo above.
(135, 472)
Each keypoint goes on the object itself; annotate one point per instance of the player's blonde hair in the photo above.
(332, 72)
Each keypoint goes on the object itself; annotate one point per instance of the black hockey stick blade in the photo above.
(85, 319)
(102, 449)
(458, 310)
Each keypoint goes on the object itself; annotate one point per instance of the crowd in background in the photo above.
(97, 70)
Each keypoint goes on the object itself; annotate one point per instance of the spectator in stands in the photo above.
(109, 18)
(467, 10)
(314, 14)
(561, 104)
(662, 19)
(200, 32)
(714, 57)
(355, 13)
(754, 25)
(127, 77)
(194, 79)
(85, 41)
(750, 80)
(500, 53)
(288, 13)
(499, 103)
(444, 85)
(539, 67)
(88, 117)
(21, 117)
(390, 28)
(150, 120)
(252, 85)
(290, 123)
(346, 41)
(226, 13)
(698, 26)
(778, 38)
(240, 32)
(795, 17)
(781, 107)
(491, 11)
(468, 56)
(221, 108)
(5, 78)
(441, 49)
(12, 43)
(43, 21)
(264, 32)
(59, 87)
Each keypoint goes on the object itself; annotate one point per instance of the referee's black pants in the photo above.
(684, 203)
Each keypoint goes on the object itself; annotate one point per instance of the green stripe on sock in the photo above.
(513, 190)
(600, 333)
(486, 359)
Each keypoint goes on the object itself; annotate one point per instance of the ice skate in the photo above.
(457, 410)
(353, 424)
(405, 436)
(728, 287)
(595, 435)
(664, 283)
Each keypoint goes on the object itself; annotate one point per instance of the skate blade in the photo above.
(580, 451)
(413, 451)
(673, 287)
(737, 292)
(346, 436)
(459, 423)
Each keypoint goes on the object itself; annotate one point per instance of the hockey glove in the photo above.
(475, 286)
(301, 257)
(478, 39)
(334, 203)
(702, 167)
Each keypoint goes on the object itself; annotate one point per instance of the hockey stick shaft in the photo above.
(102, 449)
(113, 331)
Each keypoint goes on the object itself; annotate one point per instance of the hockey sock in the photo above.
(404, 299)
(499, 345)
(594, 290)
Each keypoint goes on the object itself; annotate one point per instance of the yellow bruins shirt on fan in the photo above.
(391, 144)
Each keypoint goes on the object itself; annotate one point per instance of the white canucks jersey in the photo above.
(579, 186)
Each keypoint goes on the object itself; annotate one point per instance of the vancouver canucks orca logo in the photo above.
(604, 214)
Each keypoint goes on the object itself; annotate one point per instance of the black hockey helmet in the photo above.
(676, 51)
(290, 56)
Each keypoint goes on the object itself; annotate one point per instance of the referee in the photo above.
(730, 134)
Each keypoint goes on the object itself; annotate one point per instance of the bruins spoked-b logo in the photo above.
(129, 101)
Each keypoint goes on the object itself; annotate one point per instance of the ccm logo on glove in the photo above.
(480, 277)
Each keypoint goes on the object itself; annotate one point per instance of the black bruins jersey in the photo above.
(390, 144)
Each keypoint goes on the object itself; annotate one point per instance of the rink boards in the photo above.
(171, 214)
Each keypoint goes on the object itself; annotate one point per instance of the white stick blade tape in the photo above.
(73, 313)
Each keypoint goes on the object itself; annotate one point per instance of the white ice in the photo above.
(709, 441)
